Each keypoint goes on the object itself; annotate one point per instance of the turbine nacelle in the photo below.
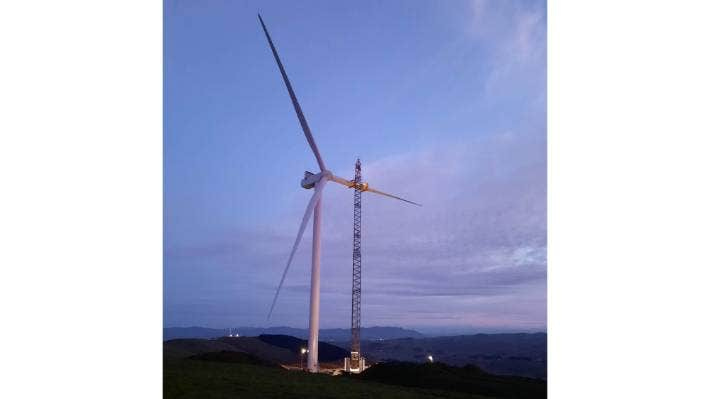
(310, 179)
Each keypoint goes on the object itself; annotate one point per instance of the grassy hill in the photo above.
(275, 348)
(468, 379)
(248, 367)
(326, 352)
(182, 348)
(191, 378)
(261, 349)
(233, 357)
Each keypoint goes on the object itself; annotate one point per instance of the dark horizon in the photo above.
(450, 330)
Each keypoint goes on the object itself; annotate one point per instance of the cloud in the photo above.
(477, 247)
(515, 34)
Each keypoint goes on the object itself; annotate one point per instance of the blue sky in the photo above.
(444, 102)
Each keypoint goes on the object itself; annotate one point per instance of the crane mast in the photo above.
(356, 363)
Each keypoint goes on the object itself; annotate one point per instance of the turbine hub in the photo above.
(310, 179)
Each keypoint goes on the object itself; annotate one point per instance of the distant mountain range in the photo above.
(327, 334)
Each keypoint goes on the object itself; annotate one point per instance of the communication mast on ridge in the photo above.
(356, 363)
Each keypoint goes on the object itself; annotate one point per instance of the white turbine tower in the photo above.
(317, 181)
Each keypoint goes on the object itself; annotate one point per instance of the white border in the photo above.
(80, 213)
(628, 199)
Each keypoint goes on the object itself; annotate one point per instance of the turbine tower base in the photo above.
(354, 364)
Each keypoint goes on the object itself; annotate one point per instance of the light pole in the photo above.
(303, 352)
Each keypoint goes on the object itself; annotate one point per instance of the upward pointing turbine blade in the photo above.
(296, 106)
(306, 217)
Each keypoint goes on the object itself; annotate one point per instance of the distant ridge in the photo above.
(327, 334)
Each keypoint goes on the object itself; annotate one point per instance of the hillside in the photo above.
(281, 349)
(198, 379)
(182, 348)
(227, 374)
(326, 351)
(233, 357)
(505, 354)
(248, 367)
(469, 379)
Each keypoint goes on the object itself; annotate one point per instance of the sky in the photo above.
(445, 104)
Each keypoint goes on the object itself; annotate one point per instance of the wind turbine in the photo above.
(317, 181)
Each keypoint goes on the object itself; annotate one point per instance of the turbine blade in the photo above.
(344, 182)
(296, 106)
(306, 217)
(365, 187)
(370, 189)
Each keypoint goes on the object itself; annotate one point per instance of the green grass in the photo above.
(189, 378)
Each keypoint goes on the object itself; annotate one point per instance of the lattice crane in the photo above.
(357, 362)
